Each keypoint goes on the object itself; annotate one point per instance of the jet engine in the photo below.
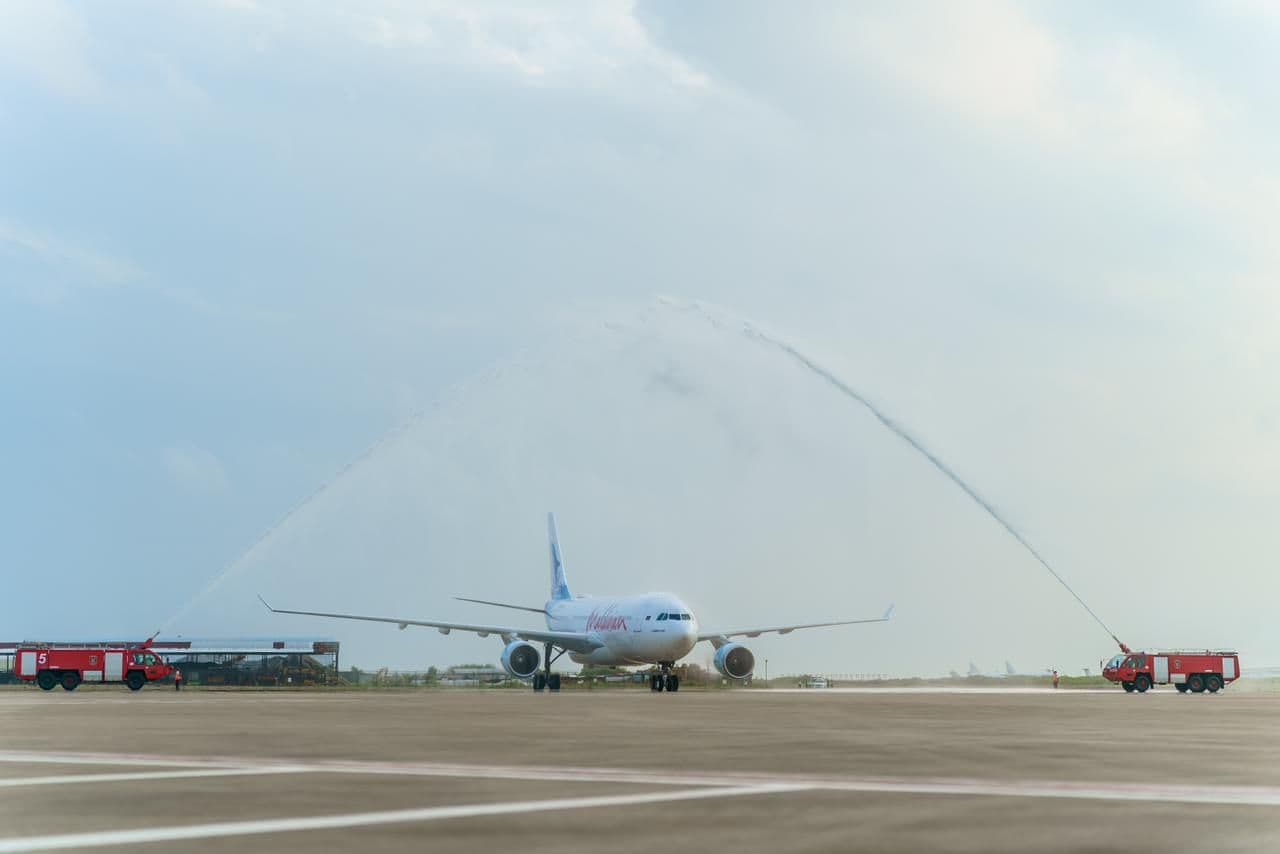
(735, 661)
(520, 659)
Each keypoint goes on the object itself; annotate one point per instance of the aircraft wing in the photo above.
(572, 641)
(719, 639)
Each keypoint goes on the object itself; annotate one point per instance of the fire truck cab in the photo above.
(1194, 671)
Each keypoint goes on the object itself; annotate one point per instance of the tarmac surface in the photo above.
(626, 770)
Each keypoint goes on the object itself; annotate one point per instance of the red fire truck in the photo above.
(68, 665)
(1196, 671)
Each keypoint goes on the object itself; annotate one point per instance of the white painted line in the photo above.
(1266, 796)
(131, 776)
(1244, 795)
(329, 822)
(943, 689)
(62, 758)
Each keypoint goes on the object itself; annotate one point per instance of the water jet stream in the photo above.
(754, 332)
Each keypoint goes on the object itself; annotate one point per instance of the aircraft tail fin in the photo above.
(559, 584)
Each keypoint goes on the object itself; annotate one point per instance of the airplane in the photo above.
(649, 629)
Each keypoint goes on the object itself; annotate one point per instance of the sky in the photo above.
(333, 303)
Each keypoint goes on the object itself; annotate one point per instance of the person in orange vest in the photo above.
(1055, 679)
(177, 680)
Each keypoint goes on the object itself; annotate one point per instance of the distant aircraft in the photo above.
(650, 629)
(974, 670)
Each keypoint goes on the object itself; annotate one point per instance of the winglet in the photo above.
(264, 602)
(888, 613)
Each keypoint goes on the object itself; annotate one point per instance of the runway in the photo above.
(749, 770)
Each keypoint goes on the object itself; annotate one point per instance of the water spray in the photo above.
(239, 562)
(755, 333)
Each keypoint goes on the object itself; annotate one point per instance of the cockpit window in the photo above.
(662, 617)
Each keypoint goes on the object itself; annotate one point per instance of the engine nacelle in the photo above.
(520, 659)
(735, 661)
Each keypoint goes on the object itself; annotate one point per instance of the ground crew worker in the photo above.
(1055, 679)
(177, 680)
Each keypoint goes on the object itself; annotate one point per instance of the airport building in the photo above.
(267, 662)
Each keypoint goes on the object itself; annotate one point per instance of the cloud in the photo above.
(95, 269)
(45, 41)
(994, 64)
(195, 469)
(550, 45)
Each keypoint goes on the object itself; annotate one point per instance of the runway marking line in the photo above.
(330, 822)
(134, 776)
(1119, 791)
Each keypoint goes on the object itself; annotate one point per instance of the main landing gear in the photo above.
(666, 680)
(546, 680)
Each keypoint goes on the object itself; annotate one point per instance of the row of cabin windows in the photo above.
(662, 617)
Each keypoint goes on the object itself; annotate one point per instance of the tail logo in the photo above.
(559, 589)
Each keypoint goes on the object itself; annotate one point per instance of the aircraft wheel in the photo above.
(673, 682)
(46, 680)
(70, 680)
(553, 682)
(539, 681)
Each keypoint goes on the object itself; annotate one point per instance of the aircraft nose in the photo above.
(688, 631)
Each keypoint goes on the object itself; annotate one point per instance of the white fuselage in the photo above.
(632, 629)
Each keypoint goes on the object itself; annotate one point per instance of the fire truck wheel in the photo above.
(46, 680)
(1128, 687)
(70, 680)
(136, 680)
(1141, 683)
(1213, 683)
(1195, 682)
